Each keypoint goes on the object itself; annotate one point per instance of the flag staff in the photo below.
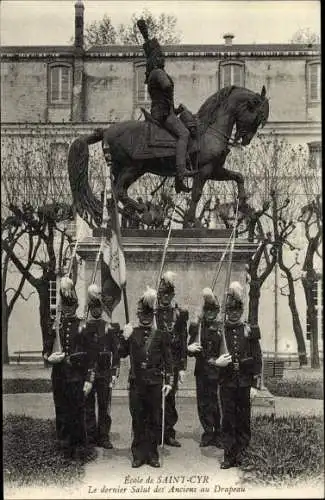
(114, 213)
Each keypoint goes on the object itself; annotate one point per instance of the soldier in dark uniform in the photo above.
(236, 379)
(173, 322)
(149, 380)
(161, 91)
(204, 344)
(103, 337)
(72, 374)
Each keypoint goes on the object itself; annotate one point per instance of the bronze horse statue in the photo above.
(133, 148)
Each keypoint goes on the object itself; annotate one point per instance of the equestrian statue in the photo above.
(170, 142)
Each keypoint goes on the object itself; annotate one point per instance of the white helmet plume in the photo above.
(66, 286)
(149, 297)
(236, 290)
(169, 277)
(208, 295)
(94, 291)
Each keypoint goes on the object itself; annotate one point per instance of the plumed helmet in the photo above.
(235, 297)
(152, 48)
(167, 283)
(68, 292)
(210, 301)
(94, 298)
(146, 304)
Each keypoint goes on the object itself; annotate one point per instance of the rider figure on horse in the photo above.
(161, 91)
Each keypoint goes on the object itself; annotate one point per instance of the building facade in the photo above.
(65, 91)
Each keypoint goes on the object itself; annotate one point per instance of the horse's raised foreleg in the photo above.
(222, 174)
(198, 185)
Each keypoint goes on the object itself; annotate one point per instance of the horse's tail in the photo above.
(84, 199)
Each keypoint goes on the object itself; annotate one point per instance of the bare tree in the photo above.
(103, 32)
(36, 209)
(271, 169)
(311, 220)
(305, 36)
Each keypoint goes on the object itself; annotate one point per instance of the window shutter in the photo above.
(142, 93)
(65, 83)
(237, 75)
(226, 73)
(55, 78)
(314, 82)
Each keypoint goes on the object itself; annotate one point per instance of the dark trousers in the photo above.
(208, 406)
(69, 402)
(171, 415)
(98, 430)
(177, 128)
(145, 408)
(236, 408)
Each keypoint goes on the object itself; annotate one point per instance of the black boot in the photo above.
(171, 441)
(228, 461)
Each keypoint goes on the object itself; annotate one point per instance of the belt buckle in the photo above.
(143, 365)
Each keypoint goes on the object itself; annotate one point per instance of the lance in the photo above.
(100, 250)
(165, 249)
(227, 281)
(157, 285)
(57, 347)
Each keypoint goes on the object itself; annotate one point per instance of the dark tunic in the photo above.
(235, 382)
(207, 378)
(173, 321)
(150, 366)
(161, 91)
(68, 378)
(103, 339)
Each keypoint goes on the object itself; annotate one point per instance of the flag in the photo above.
(113, 269)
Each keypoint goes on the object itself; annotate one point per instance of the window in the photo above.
(60, 84)
(315, 155)
(142, 95)
(53, 299)
(231, 74)
(314, 81)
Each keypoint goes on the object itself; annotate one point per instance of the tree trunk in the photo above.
(308, 283)
(254, 301)
(4, 326)
(44, 307)
(296, 323)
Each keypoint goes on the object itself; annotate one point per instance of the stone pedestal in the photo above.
(193, 254)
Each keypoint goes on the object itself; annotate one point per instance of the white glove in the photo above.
(87, 388)
(56, 357)
(127, 330)
(223, 360)
(195, 347)
(258, 379)
(166, 389)
(253, 392)
(181, 376)
(114, 379)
